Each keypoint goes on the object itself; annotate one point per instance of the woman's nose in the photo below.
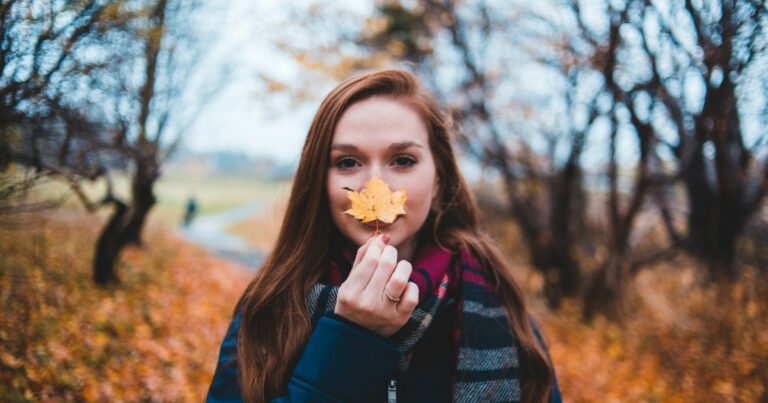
(392, 181)
(378, 169)
(375, 170)
(360, 182)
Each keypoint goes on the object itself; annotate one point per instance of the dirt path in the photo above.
(210, 232)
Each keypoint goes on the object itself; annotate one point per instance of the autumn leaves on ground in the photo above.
(155, 336)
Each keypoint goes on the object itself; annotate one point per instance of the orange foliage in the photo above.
(154, 337)
(684, 342)
(684, 339)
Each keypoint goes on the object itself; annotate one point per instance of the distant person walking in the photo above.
(189, 215)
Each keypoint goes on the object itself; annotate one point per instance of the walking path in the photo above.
(210, 232)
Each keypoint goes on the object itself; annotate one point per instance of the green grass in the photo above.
(214, 192)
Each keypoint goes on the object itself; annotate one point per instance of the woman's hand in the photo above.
(361, 297)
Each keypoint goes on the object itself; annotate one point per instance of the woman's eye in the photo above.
(346, 163)
(404, 161)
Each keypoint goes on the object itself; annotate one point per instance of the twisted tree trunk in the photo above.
(124, 226)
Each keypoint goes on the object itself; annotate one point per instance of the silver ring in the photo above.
(391, 298)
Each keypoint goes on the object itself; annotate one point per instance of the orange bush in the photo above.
(683, 342)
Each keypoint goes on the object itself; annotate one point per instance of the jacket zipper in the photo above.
(392, 391)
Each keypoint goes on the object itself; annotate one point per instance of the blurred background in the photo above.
(617, 149)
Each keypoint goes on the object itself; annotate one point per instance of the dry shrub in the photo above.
(685, 341)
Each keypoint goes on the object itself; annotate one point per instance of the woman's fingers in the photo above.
(410, 299)
(361, 297)
(398, 281)
(361, 273)
(361, 251)
(383, 272)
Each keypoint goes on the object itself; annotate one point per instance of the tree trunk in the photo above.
(108, 246)
(607, 290)
(701, 202)
(563, 277)
(549, 235)
(551, 253)
(124, 227)
(713, 229)
(143, 200)
(718, 197)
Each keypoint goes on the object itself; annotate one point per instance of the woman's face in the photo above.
(384, 137)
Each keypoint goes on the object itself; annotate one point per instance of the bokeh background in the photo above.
(617, 149)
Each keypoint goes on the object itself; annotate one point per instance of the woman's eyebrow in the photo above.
(393, 146)
(403, 145)
(343, 147)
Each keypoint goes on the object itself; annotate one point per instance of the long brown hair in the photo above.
(275, 322)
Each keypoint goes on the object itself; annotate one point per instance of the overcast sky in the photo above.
(241, 116)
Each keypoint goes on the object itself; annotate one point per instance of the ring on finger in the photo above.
(391, 298)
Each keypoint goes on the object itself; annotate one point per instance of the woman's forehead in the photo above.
(380, 122)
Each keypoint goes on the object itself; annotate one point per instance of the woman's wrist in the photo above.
(340, 318)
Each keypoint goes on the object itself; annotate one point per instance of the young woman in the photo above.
(427, 310)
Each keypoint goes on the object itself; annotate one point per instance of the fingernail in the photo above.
(385, 238)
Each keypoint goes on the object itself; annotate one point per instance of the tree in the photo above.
(721, 47)
(679, 71)
(99, 87)
(151, 112)
(616, 65)
(41, 126)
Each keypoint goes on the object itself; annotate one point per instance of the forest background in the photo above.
(617, 150)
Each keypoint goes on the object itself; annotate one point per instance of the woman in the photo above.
(427, 310)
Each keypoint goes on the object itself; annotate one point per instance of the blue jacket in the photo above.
(346, 362)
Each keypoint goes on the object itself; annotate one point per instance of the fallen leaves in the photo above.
(9, 361)
(155, 337)
(684, 342)
(377, 202)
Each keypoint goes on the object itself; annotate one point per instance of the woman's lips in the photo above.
(372, 224)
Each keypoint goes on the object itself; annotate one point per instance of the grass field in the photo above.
(213, 192)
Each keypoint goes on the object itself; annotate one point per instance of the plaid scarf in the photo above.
(487, 367)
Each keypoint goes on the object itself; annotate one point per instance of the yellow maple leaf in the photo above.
(377, 202)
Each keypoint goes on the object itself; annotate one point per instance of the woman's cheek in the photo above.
(420, 202)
